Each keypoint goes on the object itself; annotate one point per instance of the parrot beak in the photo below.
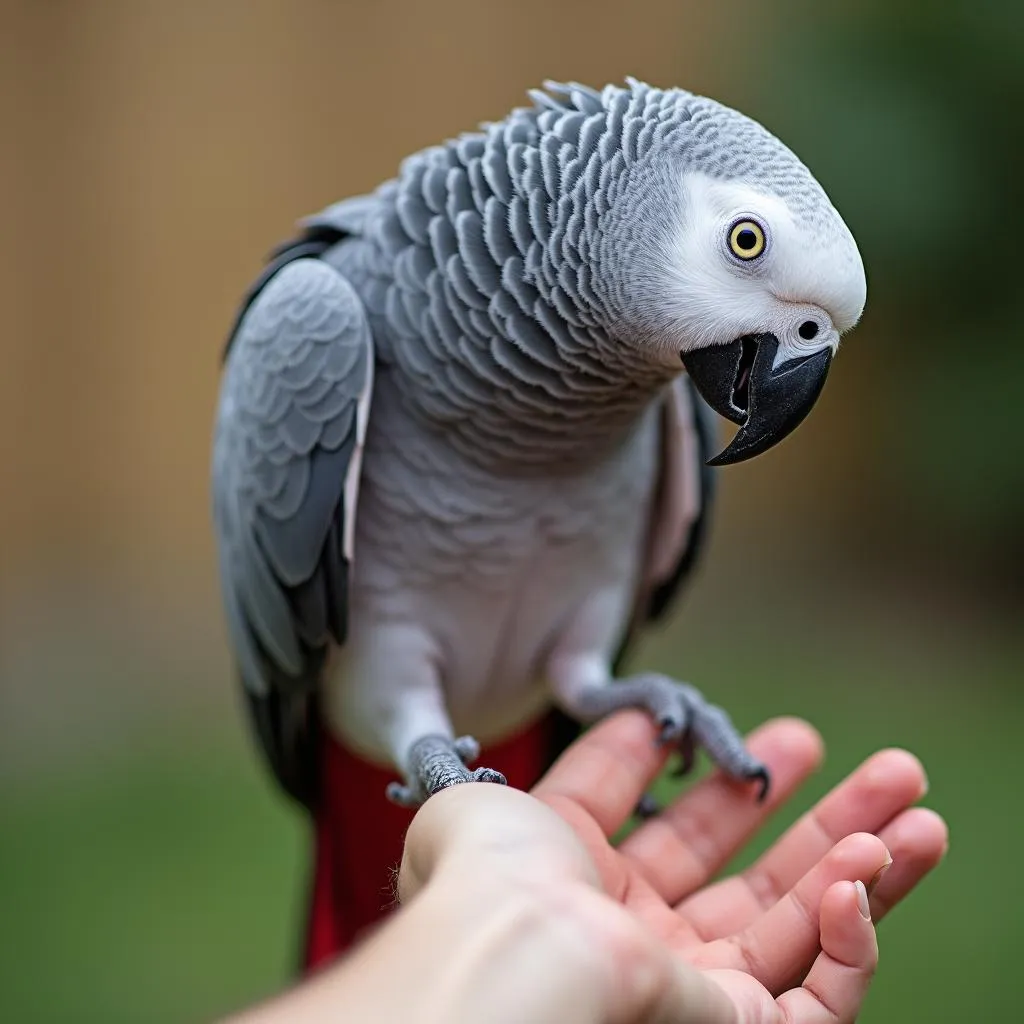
(738, 381)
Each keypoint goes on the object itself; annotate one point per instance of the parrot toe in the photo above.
(762, 776)
(404, 796)
(435, 763)
(467, 748)
(683, 716)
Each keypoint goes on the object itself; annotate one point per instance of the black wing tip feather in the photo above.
(285, 717)
(287, 722)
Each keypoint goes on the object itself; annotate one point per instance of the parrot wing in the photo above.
(290, 427)
(682, 505)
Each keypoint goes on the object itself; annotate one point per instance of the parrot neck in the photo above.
(498, 325)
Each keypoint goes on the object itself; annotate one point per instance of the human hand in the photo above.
(784, 941)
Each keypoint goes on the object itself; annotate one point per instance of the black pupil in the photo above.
(808, 329)
(746, 240)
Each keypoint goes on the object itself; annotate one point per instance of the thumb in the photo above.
(503, 832)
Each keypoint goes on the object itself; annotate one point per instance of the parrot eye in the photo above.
(746, 239)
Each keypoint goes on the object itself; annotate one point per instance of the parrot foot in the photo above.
(684, 718)
(436, 763)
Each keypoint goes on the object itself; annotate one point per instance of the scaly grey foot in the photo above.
(684, 718)
(435, 763)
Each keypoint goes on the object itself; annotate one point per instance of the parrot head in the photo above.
(740, 267)
(768, 292)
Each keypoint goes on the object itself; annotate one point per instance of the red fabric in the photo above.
(359, 833)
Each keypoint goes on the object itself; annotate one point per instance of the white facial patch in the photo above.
(802, 278)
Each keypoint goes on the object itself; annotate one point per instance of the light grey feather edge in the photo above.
(289, 432)
(652, 606)
(705, 422)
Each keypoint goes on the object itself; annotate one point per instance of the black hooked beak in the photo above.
(738, 382)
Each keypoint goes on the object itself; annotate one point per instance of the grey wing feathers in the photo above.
(292, 417)
(682, 506)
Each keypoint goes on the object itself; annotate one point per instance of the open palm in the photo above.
(783, 938)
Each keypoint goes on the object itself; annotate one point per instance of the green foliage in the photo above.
(909, 114)
(163, 885)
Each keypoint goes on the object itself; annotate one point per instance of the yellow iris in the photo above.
(746, 239)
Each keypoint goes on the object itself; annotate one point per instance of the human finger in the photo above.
(781, 942)
(605, 772)
(695, 837)
(917, 839)
(839, 979)
(871, 797)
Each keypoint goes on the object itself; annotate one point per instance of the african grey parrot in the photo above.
(462, 444)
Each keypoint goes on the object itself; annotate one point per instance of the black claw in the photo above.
(647, 807)
(667, 730)
(687, 755)
(762, 776)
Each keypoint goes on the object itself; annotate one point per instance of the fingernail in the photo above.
(862, 900)
(877, 876)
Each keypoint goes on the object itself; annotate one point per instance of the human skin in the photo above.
(516, 907)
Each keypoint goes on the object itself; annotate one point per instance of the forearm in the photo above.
(460, 950)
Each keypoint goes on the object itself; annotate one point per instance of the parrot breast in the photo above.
(489, 568)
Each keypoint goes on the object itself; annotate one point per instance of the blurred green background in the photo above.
(866, 574)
